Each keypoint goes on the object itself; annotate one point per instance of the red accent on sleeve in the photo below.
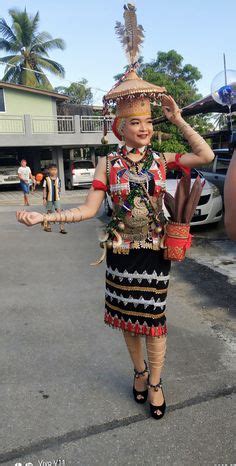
(177, 165)
(97, 184)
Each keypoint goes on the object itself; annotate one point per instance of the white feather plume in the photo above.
(130, 34)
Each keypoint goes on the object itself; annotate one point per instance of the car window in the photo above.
(195, 173)
(208, 167)
(174, 174)
(222, 165)
(83, 164)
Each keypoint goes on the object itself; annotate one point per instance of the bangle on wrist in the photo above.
(81, 216)
(197, 148)
(50, 218)
(45, 221)
(197, 136)
(176, 112)
(184, 125)
(72, 219)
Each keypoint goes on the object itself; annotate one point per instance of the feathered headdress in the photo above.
(130, 85)
(130, 34)
(130, 90)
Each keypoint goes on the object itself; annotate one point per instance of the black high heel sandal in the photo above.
(140, 397)
(157, 412)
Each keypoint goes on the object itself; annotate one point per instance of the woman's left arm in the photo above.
(201, 152)
(230, 198)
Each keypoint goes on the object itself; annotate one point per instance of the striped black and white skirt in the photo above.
(136, 291)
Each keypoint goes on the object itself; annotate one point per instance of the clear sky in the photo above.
(199, 30)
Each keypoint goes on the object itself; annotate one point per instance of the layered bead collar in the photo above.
(146, 160)
(134, 150)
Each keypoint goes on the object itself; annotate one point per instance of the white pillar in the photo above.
(28, 126)
(77, 124)
(72, 154)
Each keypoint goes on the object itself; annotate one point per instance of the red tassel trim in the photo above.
(136, 328)
(97, 184)
(177, 165)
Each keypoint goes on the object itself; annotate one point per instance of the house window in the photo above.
(2, 102)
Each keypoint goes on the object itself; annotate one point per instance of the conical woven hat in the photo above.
(140, 106)
(132, 86)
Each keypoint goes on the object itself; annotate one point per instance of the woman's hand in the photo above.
(171, 109)
(29, 218)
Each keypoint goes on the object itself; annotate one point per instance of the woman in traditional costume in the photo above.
(137, 275)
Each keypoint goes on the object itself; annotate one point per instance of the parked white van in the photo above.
(9, 171)
(78, 173)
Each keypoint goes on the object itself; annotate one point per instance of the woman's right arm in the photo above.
(83, 212)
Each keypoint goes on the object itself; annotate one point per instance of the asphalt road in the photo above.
(66, 378)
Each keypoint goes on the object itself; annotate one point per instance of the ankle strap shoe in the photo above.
(140, 397)
(157, 412)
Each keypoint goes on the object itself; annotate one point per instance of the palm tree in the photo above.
(220, 121)
(28, 50)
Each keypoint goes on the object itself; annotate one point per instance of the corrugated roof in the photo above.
(34, 90)
(205, 105)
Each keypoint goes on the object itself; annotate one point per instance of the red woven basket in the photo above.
(177, 240)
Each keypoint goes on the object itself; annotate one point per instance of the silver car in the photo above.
(216, 171)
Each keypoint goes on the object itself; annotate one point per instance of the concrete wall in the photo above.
(19, 102)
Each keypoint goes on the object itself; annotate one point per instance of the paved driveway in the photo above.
(66, 378)
(15, 197)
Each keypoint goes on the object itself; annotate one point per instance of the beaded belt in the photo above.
(142, 240)
(135, 234)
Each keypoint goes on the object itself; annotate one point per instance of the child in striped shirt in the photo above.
(51, 194)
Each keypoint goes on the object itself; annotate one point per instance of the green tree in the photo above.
(220, 121)
(78, 92)
(180, 81)
(138, 70)
(28, 51)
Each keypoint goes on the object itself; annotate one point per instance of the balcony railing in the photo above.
(94, 124)
(11, 124)
(14, 124)
(57, 124)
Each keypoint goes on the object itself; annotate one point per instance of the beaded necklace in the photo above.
(137, 190)
(146, 160)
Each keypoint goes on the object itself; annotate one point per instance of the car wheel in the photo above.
(69, 185)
